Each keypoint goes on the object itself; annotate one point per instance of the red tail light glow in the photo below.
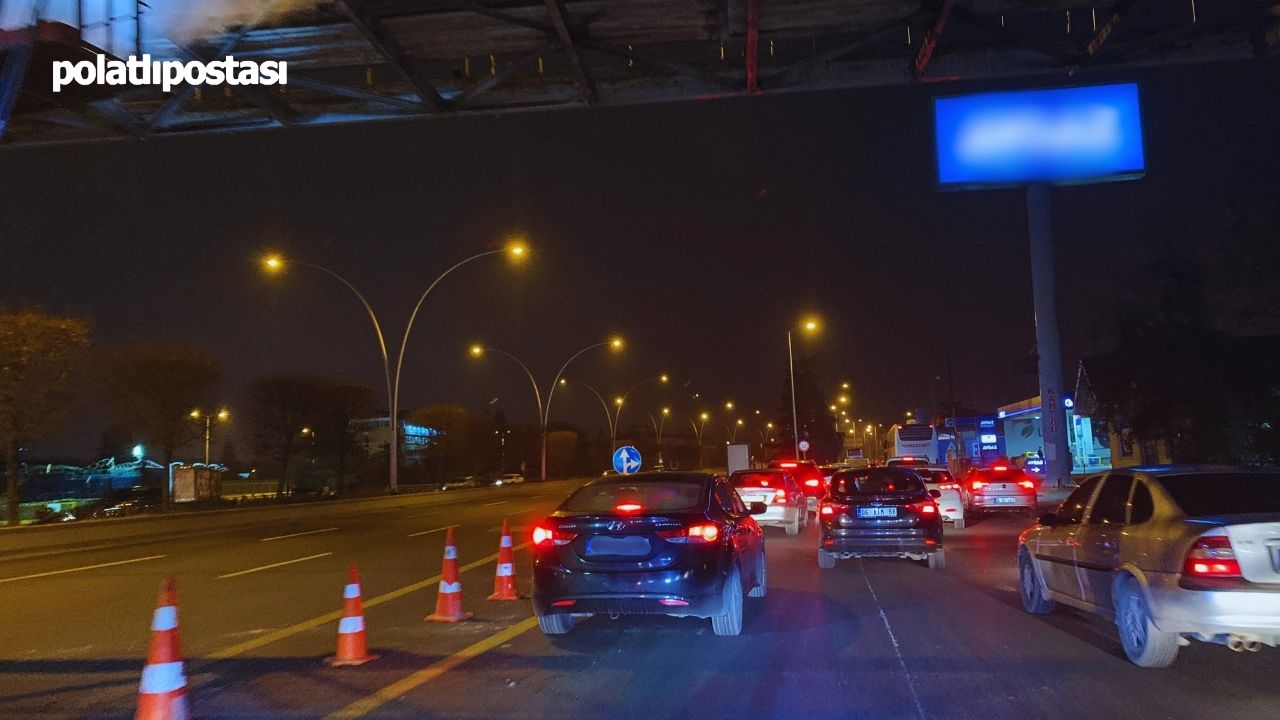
(1000, 468)
(1212, 556)
(669, 602)
(812, 482)
(831, 509)
(1027, 484)
(978, 485)
(788, 464)
(544, 535)
(628, 508)
(780, 497)
(700, 533)
(564, 603)
(928, 507)
(949, 486)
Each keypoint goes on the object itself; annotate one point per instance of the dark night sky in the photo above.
(698, 230)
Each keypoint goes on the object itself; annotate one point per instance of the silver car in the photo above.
(1171, 554)
(780, 493)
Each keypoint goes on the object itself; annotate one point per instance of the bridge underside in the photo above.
(358, 60)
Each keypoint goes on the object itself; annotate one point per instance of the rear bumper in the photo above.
(696, 591)
(778, 515)
(887, 543)
(989, 503)
(1214, 612)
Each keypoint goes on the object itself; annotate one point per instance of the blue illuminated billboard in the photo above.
(1068, 135)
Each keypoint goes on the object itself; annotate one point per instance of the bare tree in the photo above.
(41, 357)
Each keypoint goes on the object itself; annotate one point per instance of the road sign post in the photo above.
(626, 460)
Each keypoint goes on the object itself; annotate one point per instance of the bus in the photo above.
(913, 440)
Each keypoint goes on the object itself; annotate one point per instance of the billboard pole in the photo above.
(1057, 454)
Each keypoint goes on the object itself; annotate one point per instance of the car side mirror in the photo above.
(757, 508)
(935, 494)
(1048, 520)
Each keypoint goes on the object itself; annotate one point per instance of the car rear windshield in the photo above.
(875, 483)
(937, 476)
(1204, 494)
(1013, 474)
(652, 497)
(756, 480)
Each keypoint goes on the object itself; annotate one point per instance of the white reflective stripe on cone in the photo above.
(450, 587)
(351, 590)
(450, 552)
(164, 618)
(506, 541)
(504, 569)
(351, 625)
(162, 678)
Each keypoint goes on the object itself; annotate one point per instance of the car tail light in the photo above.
(564, 603)
(831, 509)
(699, 533)
(949, 486)
(628, 508)
(669, 602)
(1027, 484)
(978, 485)
(1000, 468)
(1212, 556)
(780, 497)
(927, 507)
(544, 535)
(812, 482)
(788, 464)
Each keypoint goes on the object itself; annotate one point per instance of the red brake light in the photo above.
(1000, 468)
(780, 497)
(830, 509)
(928, 507)
(700, 533)
(949, 486)
(628, 507)
(764, 483)
(1212, 556)
(544, 535)
(812, 482)
(978, 485)
(788, 464)
(1027, 484)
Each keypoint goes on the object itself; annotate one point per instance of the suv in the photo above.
(999, 488)
(879, 512)
(806, 473)
(1172, 554)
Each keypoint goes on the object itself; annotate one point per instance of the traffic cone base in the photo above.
(352, 649)
(449, 597)
(504, 578)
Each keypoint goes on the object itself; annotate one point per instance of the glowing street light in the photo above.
(274, 263)
(809, 325)
(222, 415)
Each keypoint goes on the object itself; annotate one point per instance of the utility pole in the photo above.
(1057, 455)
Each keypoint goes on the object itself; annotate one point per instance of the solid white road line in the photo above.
(78, 569)
(273, 565)
(297, 534)
(428, 532)
(499, 502)
(425, 514)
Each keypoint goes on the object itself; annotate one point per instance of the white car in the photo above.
(780, 493)
(950, 500)
(1172, 554)
(510, 479)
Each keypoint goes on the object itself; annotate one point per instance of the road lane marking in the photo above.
(273, 565)
(500, 502)
(425, 514)
(79, 569)
(297, 534)
(401, 687)
(896, 649)
(428, 532)
(305, 625)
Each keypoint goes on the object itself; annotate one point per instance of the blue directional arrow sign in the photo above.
(626, 460)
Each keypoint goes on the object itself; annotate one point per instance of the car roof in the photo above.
(651, 476)
(763, 471)
(1192, 469)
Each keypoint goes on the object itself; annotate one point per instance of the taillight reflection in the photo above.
(699, 533)
(1212, 556)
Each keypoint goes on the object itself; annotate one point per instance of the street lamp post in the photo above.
(697, 431)
(809, 325)
(276, 263)
(658, 423)
(222, 415)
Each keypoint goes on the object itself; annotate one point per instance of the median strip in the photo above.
(273, 565)
(297, 534)
(305, 625)
(79, 569)
(401, 687)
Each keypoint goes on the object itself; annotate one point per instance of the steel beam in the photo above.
(803, 68)
(930, 42)
(560, 20)
(328, 88)
(508, 70)
(390, 48)
(185, 92)
(1107, 31)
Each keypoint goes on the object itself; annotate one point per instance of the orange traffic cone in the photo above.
(351, 641)
(162, 694)
(449, 598)
(504, 579)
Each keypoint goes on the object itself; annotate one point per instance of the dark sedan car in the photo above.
(681, 544)
(880, 512)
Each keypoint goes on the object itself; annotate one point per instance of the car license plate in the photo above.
(627, 546)
(877, 512)
(1004, 500)
(758, 498)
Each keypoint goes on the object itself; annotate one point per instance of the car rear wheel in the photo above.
(959, 523)
(937, 560)
(762, 583)
(729, 623)
(1145, 645)
(556, 624)
(826, 560)
(793, 527)
(1033, 599)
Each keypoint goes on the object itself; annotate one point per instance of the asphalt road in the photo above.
(259, 601)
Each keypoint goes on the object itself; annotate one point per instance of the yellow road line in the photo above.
(86, 567)
(282, 633)
(397, 689)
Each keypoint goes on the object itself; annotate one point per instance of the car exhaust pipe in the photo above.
(1235, 643)
(1253, 646)
(1244, 643)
